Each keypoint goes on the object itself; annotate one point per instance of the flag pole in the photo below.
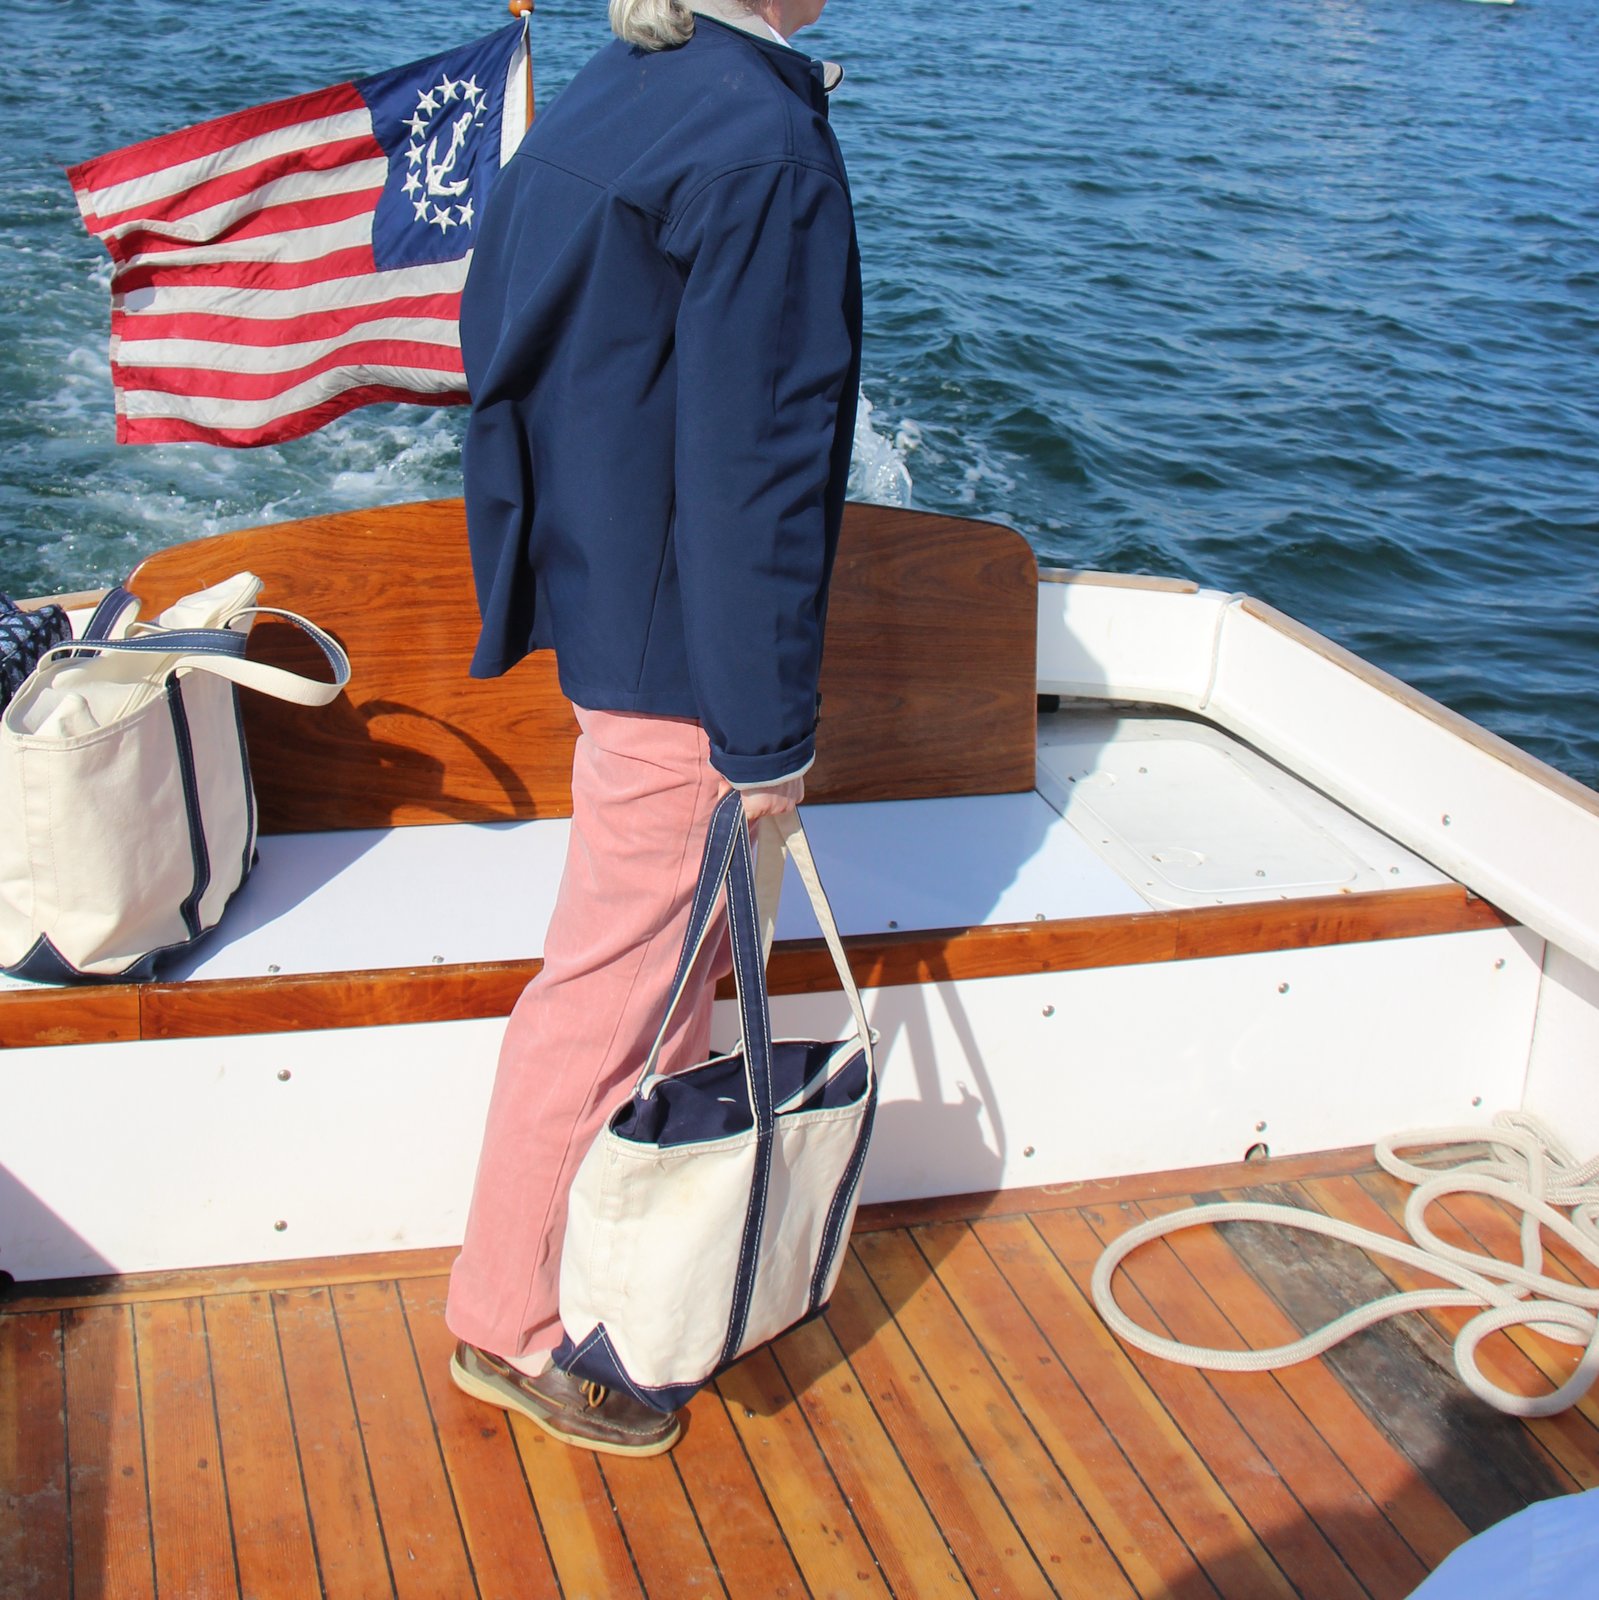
(525, 9)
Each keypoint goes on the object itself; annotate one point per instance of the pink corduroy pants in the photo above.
(643, 791)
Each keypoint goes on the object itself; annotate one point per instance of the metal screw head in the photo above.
(1038, 916)
(1499, 965)
(892, 923)
(1394, 870)
(438, 961)
(280, 1226)
(1260, 872)
(274, 968)
(1282, 988)
(1260, 1127)
(1446, 819)
(1049, 1011)
(1028, 1151)
(284, 1074)
(1476, 1099)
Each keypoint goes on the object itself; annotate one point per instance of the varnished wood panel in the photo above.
(300, 1002)
(927, 685)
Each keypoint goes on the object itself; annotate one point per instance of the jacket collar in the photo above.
(799, 70)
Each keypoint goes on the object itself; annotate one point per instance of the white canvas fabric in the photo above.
(657, 1233)
(127, 817)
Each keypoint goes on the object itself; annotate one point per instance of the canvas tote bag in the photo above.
(127, 815)
(711, 1212)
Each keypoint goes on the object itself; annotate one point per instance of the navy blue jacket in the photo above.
(661, 330)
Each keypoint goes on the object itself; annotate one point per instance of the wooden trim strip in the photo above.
(384, 1266)
(1118, 580)
(299, 1003)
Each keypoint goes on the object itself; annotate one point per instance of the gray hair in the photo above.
(652, 24)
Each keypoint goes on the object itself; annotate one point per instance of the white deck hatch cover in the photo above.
(1189, 816)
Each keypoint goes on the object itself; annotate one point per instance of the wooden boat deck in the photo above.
(961, 1422)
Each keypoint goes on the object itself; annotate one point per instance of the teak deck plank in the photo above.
(908, 1543)
(111, 1554)
(1485, 1465)
(744, 1536)
(351, 1549)
(832, 1556)
(427, 1549)
(1224, 1546)
(509, 1556)
(959, 1422)
(1068, 1548)
(35, 1529)
(1414, 1508)
(1519, 1359)
(1240, 1458)
(1200, 1310)
(975, 1521)
(1127, 1515)
(189, 1522)
(575, 1511)
(266, 1493)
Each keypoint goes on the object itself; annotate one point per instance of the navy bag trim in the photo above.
(190, 908)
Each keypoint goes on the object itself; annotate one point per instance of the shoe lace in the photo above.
(595, 1394)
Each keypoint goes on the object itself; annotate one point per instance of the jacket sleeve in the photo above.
(764, 352)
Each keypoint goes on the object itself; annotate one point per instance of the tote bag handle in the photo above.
(727, 859)
(220, 651)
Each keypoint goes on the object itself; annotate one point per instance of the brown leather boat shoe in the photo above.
(576, 1412)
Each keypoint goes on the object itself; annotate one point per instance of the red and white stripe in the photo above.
(247, 307)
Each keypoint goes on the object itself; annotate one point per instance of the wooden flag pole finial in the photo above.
(522, 8)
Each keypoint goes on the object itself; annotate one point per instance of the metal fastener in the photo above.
(1282, 988)
(892, 923)
(274, 968)
(1049, 1011)
(1446, 819)
(1028, 1151)
(1038, 916)
(284, 1074)
(1476, 1099)
(280, 1227)
(1260, 872)
(1499, 965)
(1260, 1127)
(438, 961)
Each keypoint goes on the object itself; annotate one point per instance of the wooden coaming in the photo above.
(960, 1422)
(927, 686)
(288, 1003)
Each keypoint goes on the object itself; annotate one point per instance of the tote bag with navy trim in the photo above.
(127, 814)
(712, 1211)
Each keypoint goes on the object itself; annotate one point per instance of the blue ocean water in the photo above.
(1298, 297)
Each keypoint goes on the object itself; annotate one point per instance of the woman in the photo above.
(662, 335)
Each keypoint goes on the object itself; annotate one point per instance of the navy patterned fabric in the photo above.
(24, 637)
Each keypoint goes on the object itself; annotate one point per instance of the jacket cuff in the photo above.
(756, 772)
(771, 783)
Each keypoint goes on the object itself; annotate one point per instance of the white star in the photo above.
(412, 183)
(469, 87)
(414, 155)
(426, 102)
(466, 215)
(444, 219)
(418, 125)
(449, 90)
(422, 210)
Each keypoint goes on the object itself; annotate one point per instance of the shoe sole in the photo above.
(494, 1395)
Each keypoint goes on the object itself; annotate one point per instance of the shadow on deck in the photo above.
(960, 1422)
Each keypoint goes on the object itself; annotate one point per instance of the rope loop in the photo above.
(1525, 1168)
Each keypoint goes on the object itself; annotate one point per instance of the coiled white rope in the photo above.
(1526, 1168)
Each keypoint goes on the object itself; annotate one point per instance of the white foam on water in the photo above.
(878, 470)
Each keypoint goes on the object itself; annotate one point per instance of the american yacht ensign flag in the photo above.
(277, 267)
